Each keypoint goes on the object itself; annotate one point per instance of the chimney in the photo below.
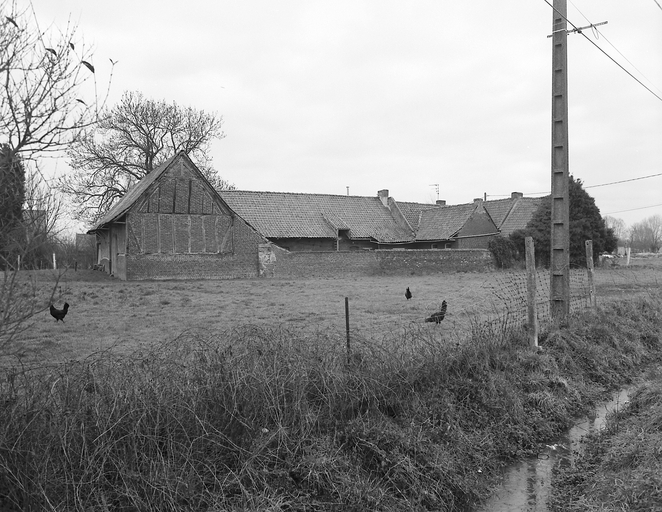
(383, 196)
(441, 202)
(516, 195)
(478, 200)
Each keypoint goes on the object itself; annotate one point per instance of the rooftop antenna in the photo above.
(436, 189)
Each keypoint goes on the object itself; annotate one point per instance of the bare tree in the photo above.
(130, 141)
(42, 221)
(43, 106)
(647, 234)
(617, 225)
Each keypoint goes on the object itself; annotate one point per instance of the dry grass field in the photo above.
(106, 313)
(243, 397)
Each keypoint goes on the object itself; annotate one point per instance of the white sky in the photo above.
(319, 96)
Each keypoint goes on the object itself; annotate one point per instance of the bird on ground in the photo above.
(59, 314)
(408, 294)
(438, 316)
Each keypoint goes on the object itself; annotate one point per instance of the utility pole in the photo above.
(560, 236)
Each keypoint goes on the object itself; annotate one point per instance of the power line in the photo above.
(624, 181)
(576, 29)
(633, 209)
(585, 186)
(597, 34)
(658, 4)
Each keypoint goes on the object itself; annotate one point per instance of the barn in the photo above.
(173, 225)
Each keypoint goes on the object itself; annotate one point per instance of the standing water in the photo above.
(526, 485)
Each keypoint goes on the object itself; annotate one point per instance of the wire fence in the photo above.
(508, 292)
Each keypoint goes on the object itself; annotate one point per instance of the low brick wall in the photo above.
(191, 266)
(432, 261)
(380, 262)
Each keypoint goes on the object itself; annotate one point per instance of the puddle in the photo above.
(526, 485)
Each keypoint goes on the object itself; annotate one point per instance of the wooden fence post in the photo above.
(589, 269)
(349, 353)
(532, 325)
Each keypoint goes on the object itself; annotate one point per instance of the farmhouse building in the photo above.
(173, 224)
(321, 222)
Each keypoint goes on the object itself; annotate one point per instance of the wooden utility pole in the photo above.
(560, 236)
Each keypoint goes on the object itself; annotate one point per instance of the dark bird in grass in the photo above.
(439, 315)
(59, 314)
(408, 293)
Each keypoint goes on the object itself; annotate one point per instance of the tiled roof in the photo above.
(412, 211)
(293, 215)
(519, 215)
(499, 209)
(443, 222)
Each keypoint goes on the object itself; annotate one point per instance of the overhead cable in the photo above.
(608, 56)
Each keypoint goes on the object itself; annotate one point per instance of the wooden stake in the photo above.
(531, 292)
(589, 269)
(349, 352)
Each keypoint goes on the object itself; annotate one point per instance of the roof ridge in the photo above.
(294, 193)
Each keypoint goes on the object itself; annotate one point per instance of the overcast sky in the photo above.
(320, 96)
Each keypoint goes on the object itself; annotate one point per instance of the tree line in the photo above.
(643, 236)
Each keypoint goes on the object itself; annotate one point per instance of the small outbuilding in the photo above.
(174, 225)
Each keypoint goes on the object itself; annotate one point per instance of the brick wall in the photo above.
(190, 266)
(366, 263)
(240, 260)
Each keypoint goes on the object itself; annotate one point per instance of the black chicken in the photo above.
(408, 293)
(59, 314)
(438, 316)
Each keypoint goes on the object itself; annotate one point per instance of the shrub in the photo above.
(504, 251)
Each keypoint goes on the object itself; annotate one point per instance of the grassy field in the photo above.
(238, 395)
(107, 313)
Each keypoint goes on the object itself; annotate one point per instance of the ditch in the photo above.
(526, 485)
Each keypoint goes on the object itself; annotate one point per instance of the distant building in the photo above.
(173, 224)
(322, 222)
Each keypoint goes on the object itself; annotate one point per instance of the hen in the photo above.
(438, 316)
(59, 314)
(408, 293)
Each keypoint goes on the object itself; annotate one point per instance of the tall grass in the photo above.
(274, 419)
